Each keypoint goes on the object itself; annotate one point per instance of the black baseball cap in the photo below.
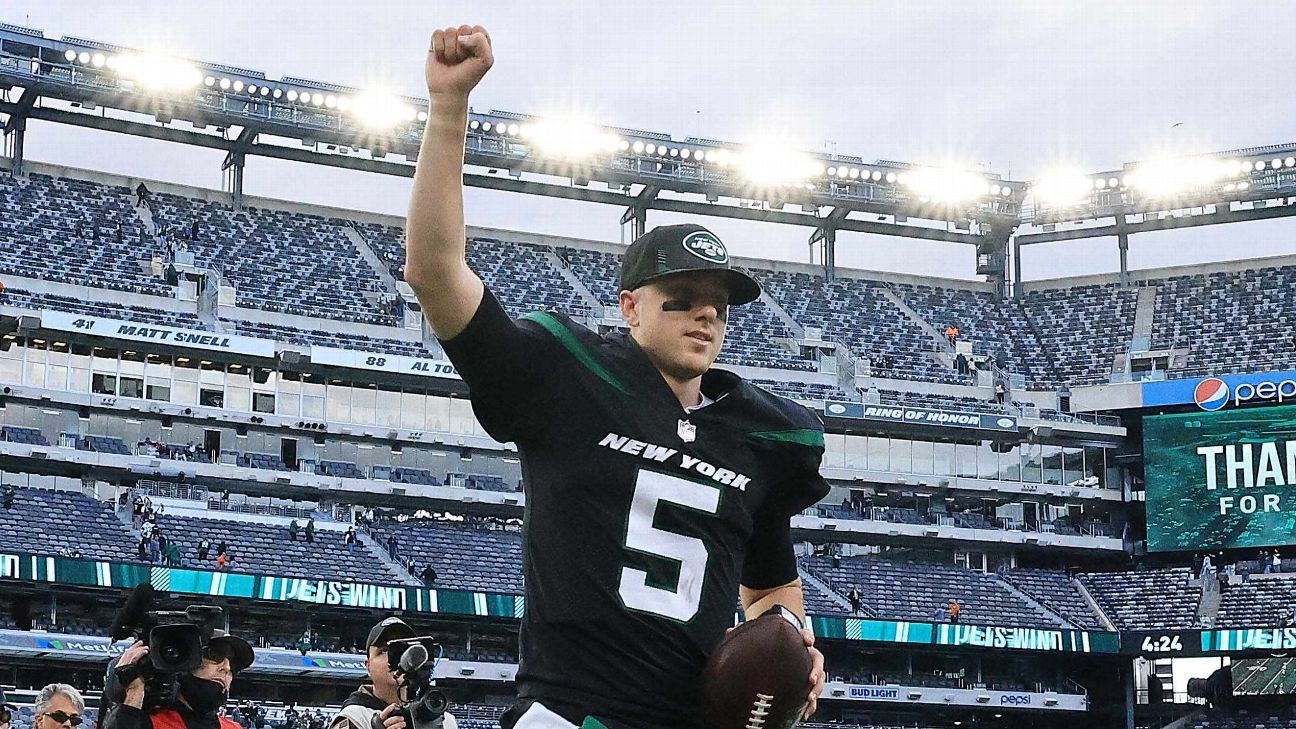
(685, 248)
(386, 630)
(239, 651)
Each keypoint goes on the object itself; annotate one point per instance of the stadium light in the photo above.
(570, 138)
(70, 55)
(1168, 177)
(380, 110)
(772, 164)
(945, 184)
(1061, 188)
(160, 73)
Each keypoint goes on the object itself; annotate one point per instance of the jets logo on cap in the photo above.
(1211, 394)
(706, 246)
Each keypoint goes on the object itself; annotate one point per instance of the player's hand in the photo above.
(457, 60)
(817, 676)
(390, 719)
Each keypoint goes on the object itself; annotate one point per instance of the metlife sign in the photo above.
(1225, 391)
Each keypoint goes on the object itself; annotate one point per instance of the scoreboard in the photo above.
(1219, 480)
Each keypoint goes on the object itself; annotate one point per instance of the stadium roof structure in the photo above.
(242, 112)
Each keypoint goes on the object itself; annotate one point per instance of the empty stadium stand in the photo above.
(295, 263)
(808, 391)
(522, 278)
(28, 436)
(995, 328)
(266, 549)
(66, 230)
(1149, 600)
(464, 556)
(35, 525)
(1067, 319)
(126, 312)
(1258, 602)
(855, 312)
(1231, 321)
(402, 474)
(1055, 591)
(923, 592)
(387, 242)
(102, 444)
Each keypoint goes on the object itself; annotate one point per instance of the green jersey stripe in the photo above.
(576, 347)
(801, 436)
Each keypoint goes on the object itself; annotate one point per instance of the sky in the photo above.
(1014, 87)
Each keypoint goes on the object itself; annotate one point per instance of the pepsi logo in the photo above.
(1211, 394)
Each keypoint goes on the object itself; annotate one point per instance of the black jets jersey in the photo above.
(642, 519)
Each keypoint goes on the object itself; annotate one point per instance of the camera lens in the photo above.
(171, 653)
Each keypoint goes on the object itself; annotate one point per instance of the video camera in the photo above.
(412, 661)
(176, 641)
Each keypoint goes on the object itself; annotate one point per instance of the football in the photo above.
(758, 677)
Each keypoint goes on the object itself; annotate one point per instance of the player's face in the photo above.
(679, 322)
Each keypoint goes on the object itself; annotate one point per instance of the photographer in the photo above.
(200, 693)
(374, 705)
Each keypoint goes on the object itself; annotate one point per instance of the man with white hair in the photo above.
(58, 706)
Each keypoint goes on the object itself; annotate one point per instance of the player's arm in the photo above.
(770, 578)
(758, 602)
(435, 264)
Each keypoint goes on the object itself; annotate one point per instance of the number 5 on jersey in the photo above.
(652, 490)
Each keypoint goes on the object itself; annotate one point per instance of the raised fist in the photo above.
(457, 60)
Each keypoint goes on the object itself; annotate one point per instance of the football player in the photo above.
(657, 488)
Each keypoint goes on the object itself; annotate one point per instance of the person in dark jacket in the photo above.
(201, 695)
(374, 703)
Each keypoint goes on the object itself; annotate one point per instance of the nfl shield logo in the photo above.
(687, 431)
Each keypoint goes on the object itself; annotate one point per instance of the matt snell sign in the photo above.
(156, 332)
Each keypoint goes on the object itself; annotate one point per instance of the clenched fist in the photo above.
(458, 59)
